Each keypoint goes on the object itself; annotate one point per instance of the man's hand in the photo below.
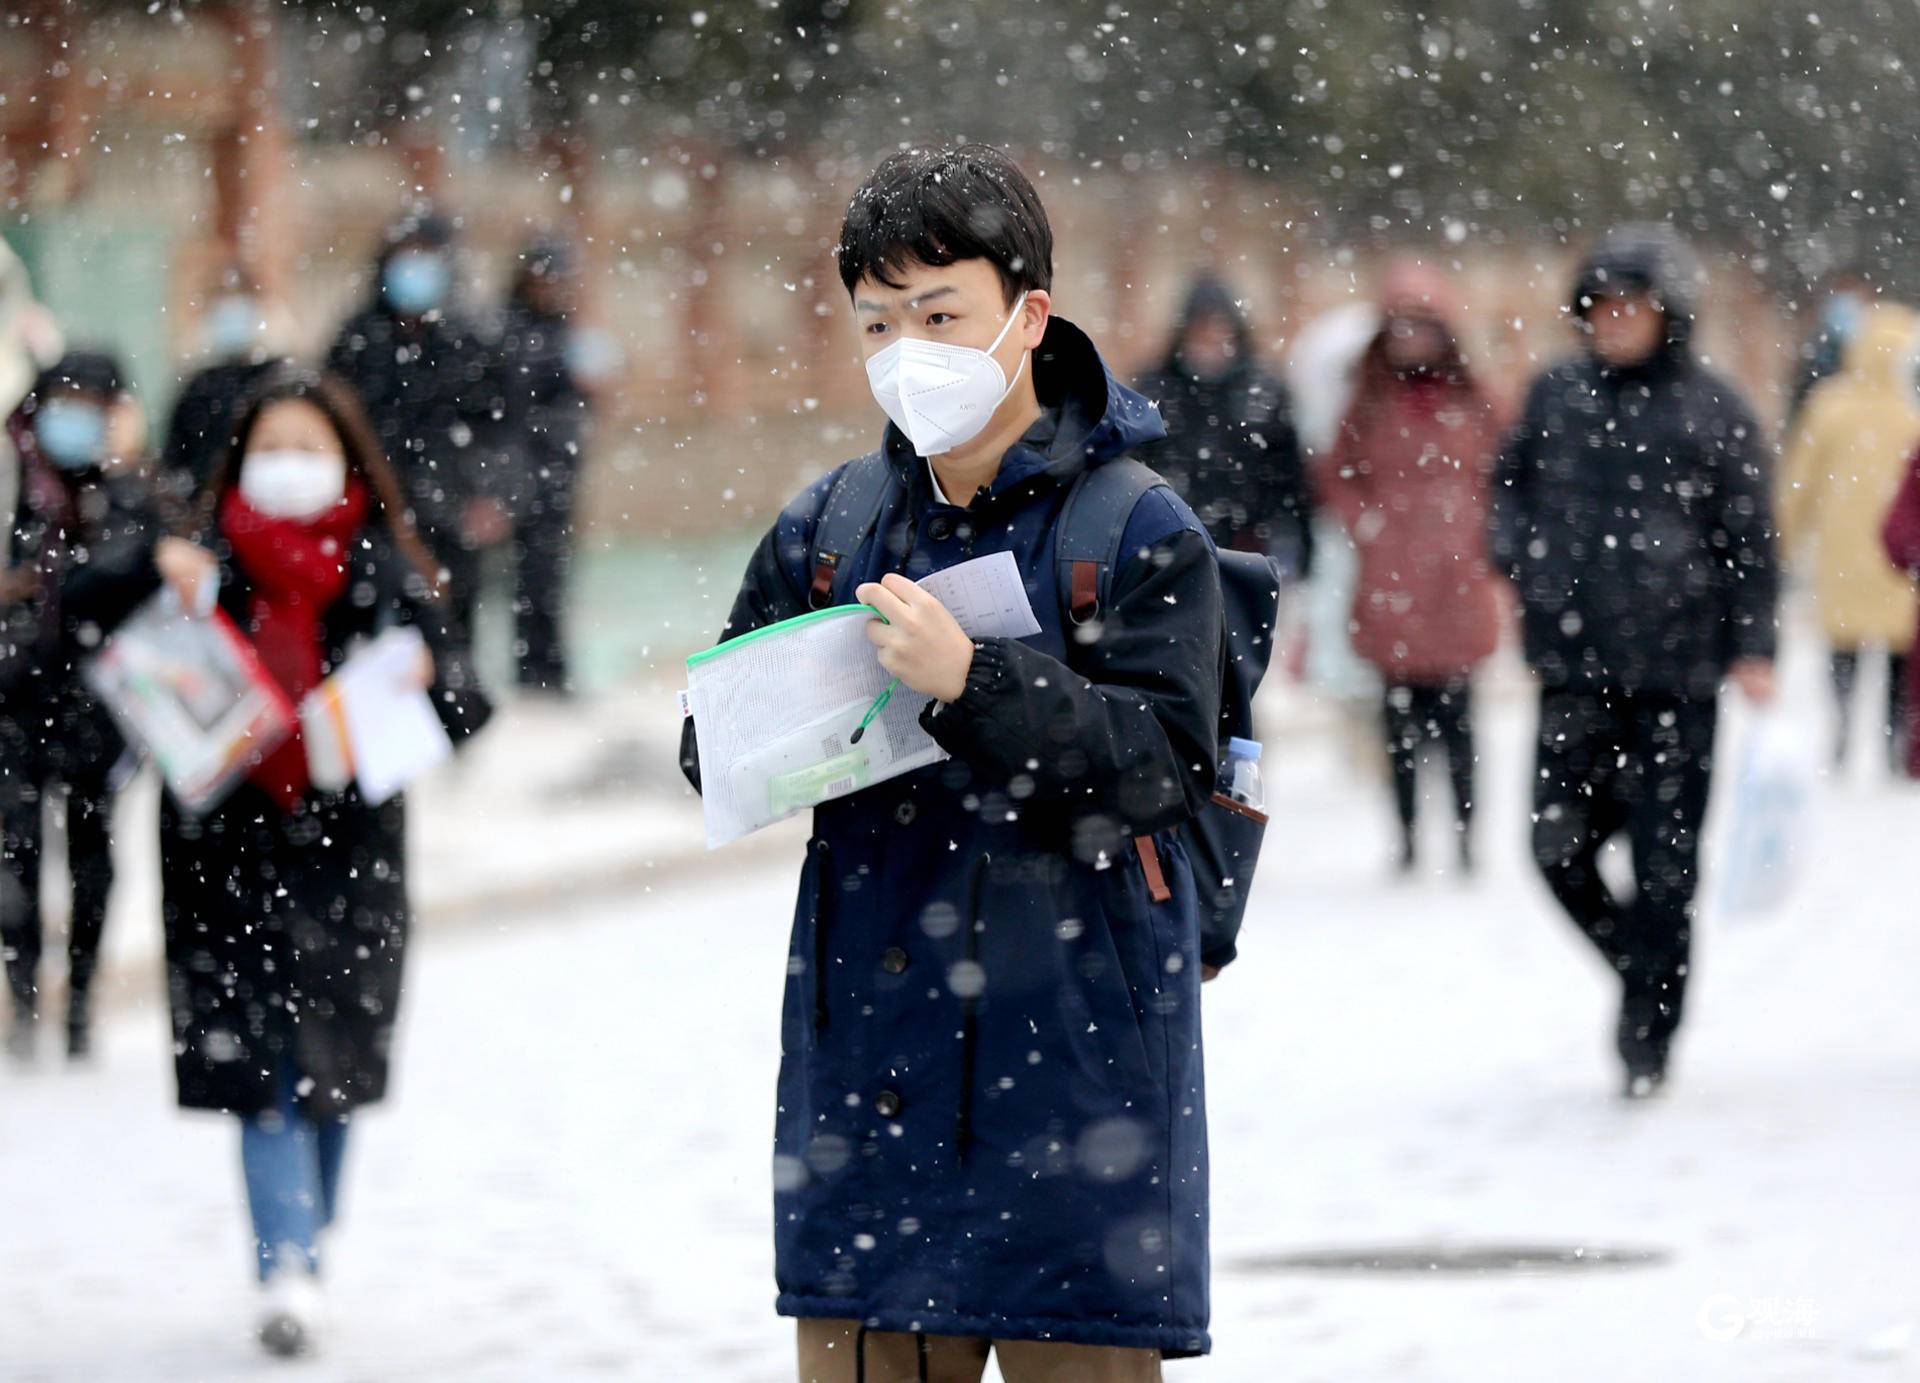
(1208, 972)
(920, 642)
(1754, 677)
(185, 568)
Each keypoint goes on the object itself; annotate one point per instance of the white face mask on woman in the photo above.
(293, 484)
(942, 395)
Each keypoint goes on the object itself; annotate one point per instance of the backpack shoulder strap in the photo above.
(1092, 526)
(846, 519)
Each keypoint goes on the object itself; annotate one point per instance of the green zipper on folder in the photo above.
(783, 627)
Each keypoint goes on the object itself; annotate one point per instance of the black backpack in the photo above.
(1223, 841)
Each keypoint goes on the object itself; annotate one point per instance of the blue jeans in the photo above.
(292, 1165)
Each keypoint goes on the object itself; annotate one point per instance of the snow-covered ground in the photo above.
(571, 1181)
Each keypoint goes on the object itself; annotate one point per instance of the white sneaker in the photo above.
(291, 1314)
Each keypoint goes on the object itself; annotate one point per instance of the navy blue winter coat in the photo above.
(992, 1119)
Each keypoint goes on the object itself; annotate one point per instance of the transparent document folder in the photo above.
(775, 709)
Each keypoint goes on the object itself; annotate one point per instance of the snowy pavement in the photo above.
(571, 1181)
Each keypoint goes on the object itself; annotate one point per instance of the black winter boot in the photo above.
(80, 1011)
(26, 1013)
(1643, 1050)
(21, 1030)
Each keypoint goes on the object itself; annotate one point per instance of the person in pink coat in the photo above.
(1901, 535)
(1408, 475)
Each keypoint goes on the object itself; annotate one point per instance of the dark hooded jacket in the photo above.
(79, 559)
(1631, 504)
(991, 1116)
(1231, 450)
(544, 410)
(430, 389)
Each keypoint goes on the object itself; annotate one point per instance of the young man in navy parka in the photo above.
(991, 1127)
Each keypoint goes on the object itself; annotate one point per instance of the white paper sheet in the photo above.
(392, 728)
(775, 710)
(986, 596)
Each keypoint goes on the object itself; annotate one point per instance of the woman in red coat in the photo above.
(1902, 538)
(1408, 476)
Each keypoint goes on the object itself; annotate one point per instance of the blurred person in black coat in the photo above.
(285, 904)
(1231, 451)
(1632, 511)
(427, 381)
(548, 365)
(234, 332)
(86, 547)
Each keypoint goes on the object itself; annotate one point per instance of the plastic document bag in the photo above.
(775, 710)
(1773, 818)
(774, 713)
(190, 688)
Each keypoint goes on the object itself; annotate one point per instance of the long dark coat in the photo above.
(286, 933)
(992, 1116)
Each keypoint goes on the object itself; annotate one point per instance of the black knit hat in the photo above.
(96, 372)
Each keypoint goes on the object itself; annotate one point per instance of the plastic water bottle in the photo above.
(1243, 774)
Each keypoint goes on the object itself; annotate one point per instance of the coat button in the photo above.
(940, 529)
(905, 813)
(887, 1104)
(893, 960)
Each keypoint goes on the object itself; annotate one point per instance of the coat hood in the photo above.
(1414, 288)
(1880, 348)
(1412, 291)
(1091, 416)
(1652, 259)
(1209, 296)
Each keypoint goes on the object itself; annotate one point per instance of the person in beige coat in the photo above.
(1843, 464)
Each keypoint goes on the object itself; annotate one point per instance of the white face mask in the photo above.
(293, 484)
(942, 395)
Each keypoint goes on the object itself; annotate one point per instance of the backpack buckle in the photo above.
(1083, 602)
(820, 593)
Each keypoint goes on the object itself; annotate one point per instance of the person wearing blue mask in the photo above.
(85, 548)
(428, 383)
(234, 340)
(1849, 294)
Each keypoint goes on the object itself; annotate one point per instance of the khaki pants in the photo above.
(827, 1356)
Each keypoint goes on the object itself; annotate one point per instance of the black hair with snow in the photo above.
(939, 205)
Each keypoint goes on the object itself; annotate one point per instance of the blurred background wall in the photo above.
(702, 153)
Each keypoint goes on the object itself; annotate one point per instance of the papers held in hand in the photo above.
(372, 722)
